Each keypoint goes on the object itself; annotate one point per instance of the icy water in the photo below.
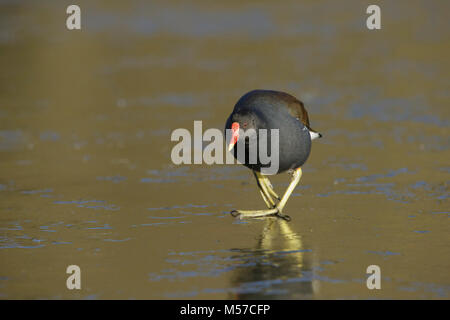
(86, 176)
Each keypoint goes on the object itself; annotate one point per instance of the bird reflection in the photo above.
(277, 268)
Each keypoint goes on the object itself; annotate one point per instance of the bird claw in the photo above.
(283, 216)
(235, 213)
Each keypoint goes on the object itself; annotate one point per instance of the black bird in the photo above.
(267, 109)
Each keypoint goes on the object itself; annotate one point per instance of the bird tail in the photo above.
(314, 134)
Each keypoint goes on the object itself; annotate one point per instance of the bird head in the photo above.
(239, 126)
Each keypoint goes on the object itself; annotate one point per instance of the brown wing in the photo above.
(296, 108)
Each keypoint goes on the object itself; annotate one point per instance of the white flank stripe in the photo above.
(314, 135)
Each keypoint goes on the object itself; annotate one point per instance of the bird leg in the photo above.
(277, 210)
(265, 200)
(264, 189)
(296, 176)
(269, 186)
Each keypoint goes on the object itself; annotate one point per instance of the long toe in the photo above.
(254, 213)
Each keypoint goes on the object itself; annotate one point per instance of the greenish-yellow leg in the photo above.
(296, 176)
(268, 185)
(265, 200)
(277, 209)
(264, 189)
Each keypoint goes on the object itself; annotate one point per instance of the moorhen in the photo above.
(267, 109)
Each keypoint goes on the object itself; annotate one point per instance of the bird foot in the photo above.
(242, 214)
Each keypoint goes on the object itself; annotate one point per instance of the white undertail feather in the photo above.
(314, 135)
